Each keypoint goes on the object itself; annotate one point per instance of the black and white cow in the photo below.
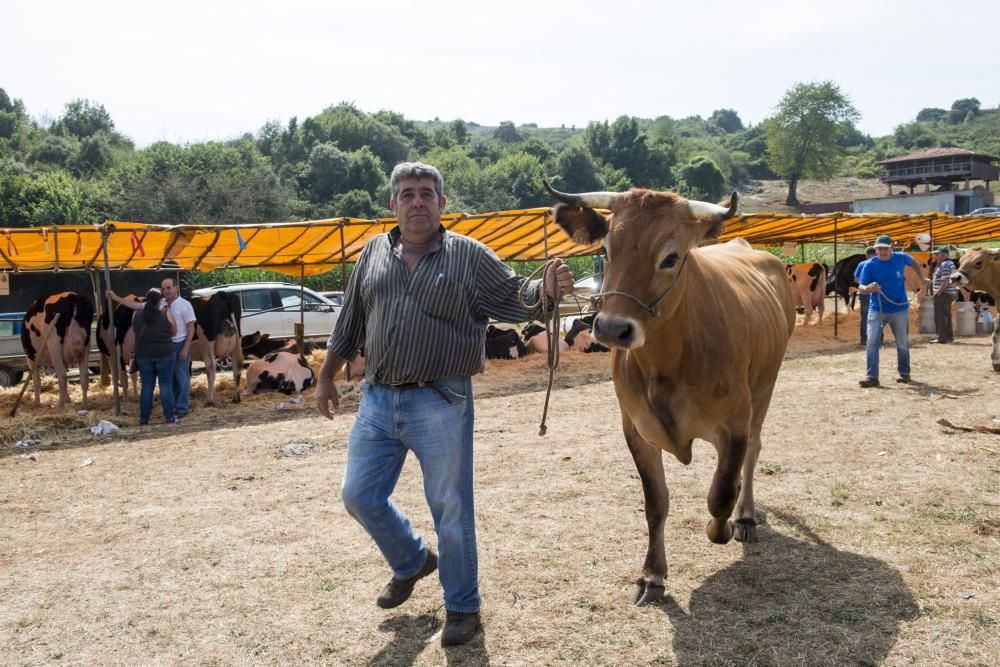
(125, 338)
(68, 345)
(285, 371)
(217, 336)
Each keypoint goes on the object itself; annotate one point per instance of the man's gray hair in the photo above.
(418, 170)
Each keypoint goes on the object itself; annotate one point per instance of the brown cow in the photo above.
(979, 269)
(68, 345)
(697, 338)
(217, 336)
(927, 264)
(808, 282)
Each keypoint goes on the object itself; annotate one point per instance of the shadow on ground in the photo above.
(793, 601)
(411, 636)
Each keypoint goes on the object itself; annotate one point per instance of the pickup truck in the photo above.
(13, 364)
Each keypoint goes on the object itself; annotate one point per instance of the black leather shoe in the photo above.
(459, 627)
(903, 379)
(868, 382)
(398, 591)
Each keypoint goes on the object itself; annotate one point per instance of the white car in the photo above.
(273, 309)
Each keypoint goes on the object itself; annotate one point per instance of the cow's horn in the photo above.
(588, 199)
(712, 212)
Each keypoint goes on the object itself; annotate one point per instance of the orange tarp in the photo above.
(316, 246)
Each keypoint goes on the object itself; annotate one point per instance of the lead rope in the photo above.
(551, 321)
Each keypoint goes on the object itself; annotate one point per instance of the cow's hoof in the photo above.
(209, 404)
(996, 368)
(745, 530)
(720, 532)
(647, 592)
(236, 398)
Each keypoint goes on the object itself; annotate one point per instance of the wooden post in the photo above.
(111, 322)
(34, 367)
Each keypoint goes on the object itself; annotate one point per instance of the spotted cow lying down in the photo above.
(284, 371)
(580, 335)
(504, 344)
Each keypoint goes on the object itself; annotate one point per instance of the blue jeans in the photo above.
(182, 379)
(900, 325)
(151, 370)
(865, 300)
(391, 423)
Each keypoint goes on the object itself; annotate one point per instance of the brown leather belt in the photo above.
(403, 386)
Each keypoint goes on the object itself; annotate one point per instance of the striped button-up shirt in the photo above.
(429, 323)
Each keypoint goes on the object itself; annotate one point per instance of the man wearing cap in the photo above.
(883, 278)
(945, 293)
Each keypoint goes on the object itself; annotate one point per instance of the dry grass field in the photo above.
(208, 545)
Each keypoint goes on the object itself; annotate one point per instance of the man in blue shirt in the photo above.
(884, 279)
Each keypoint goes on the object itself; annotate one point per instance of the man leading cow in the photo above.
(884, 278)
(419, 300)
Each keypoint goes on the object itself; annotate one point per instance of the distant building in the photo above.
(950, 170)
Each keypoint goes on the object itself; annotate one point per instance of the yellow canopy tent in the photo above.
(316, 246)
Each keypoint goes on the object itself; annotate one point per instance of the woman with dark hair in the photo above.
(154, 354)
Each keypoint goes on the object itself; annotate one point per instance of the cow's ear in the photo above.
(583, 225)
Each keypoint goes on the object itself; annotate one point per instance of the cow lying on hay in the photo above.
(697, 338)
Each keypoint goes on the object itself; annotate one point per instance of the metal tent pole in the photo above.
(111, 321)
(836, 311)
(343, 260)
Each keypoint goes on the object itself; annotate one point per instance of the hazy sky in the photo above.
(188, 71)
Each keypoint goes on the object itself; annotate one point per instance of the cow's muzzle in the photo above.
(618, 332)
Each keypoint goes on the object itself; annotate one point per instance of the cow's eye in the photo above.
(669, 261)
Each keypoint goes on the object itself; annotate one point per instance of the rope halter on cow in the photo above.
(550, 315)
(597, 300)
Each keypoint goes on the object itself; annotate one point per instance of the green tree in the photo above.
(577, 170)
(963, 108)
(802, 135)
(507, 133)
(915, 135)
(95, 155)
(54, 150)
(327, 172)
(701, 179)
(727, 119)
(931, 114)
(83, 118)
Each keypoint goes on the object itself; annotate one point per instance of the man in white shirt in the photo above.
(183, 313)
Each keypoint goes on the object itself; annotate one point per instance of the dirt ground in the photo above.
(208, 545)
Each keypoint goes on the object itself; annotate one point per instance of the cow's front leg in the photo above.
(745, 529)
(84, 379)
(209, 359)
(36, 379)
(59, 366)
(651, 587)
(725, 486)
